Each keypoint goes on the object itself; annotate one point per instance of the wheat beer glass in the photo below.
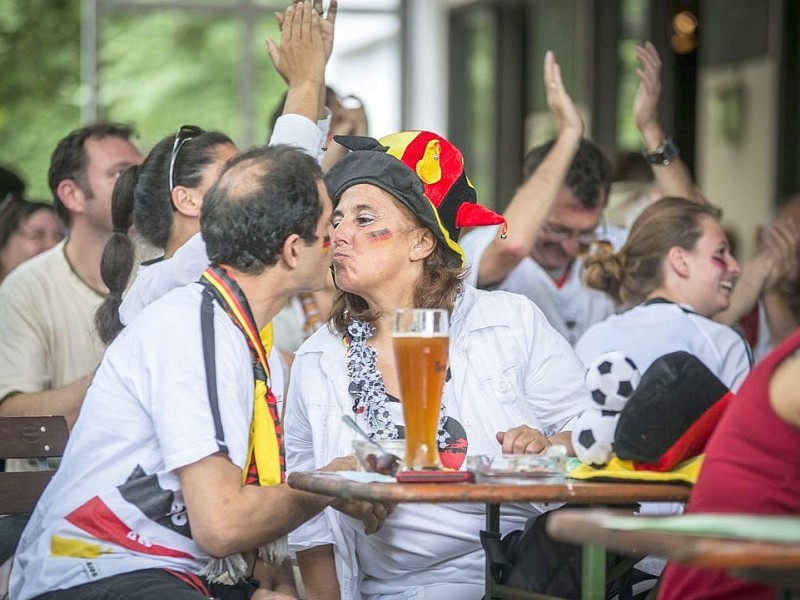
(421, 337)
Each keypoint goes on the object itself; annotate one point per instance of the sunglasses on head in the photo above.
(184, 134)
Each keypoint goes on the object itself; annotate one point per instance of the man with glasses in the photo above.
(556, 214)
(49, 348)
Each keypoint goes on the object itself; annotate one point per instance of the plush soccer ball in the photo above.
(611, 379)
(593, 436)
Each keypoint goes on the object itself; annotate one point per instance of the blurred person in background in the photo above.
(27, 228)
(49, 347)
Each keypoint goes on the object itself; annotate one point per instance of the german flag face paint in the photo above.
(382, 235)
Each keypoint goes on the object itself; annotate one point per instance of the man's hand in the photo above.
(301, 55)
(523, 440)
(645, 103)
(562, 108)
(371, 514)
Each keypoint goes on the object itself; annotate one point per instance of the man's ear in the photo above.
(422, 245)
(290, 252)
(71, 196)
(186, 201)
(676, 259)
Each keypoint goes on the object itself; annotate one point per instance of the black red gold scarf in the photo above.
(266, 462)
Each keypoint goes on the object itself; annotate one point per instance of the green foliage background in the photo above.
(158, 70)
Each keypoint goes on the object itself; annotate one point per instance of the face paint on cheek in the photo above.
(382, 235)
(326, 242)
(718, 262)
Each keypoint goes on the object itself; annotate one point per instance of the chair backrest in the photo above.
(29, 437)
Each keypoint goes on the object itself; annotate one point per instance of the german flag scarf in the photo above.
(266, 462)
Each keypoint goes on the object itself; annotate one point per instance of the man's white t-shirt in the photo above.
(570, 306)
(115, 504)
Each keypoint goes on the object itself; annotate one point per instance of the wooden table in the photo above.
(493, 495)
(775, 563)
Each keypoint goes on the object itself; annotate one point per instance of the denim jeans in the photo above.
(149, 584)
(11, 527)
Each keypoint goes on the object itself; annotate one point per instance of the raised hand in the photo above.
(562, 107)
(645, 103)
(301, 55)
(327, 25)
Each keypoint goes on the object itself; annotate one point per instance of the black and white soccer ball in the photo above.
(611, 379)
(593, 436)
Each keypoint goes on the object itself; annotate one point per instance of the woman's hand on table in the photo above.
(523, 440)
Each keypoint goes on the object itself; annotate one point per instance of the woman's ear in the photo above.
(187, 201)
(676, 259)
(422, 245)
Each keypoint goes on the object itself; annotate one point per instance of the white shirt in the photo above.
(569, 305)
(115, 504)
(47, 333)
(508, 367)
(650, 330)
(190, 260)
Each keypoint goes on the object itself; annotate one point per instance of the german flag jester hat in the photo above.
(424, 172)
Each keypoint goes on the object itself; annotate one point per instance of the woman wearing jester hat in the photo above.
(514, 384)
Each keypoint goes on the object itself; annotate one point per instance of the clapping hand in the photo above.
(301, 54)
(562, 107)
(645, 103)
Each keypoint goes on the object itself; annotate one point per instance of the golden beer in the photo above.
(421, 368)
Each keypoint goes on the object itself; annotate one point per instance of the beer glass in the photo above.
(421, 337)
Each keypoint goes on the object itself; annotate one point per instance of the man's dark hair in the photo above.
(69, 159)
(588, 175)
(261, 198)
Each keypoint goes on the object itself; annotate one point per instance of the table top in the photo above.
(582, 526)
(585, 492)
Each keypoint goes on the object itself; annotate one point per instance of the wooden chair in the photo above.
(29, 437)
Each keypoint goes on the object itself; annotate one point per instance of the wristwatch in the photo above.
(666, 152)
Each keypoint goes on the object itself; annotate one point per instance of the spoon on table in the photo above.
(385, 463)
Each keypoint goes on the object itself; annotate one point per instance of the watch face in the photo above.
(664, 154)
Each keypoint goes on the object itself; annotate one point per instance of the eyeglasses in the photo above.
(556, 233)
(185, 133)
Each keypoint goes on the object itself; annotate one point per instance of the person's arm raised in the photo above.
(533, 200)
(300, 59)
(673, 179)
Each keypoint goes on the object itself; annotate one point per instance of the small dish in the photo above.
(519, 468)
(369, 459)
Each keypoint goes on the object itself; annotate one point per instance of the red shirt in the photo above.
(752, 465)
